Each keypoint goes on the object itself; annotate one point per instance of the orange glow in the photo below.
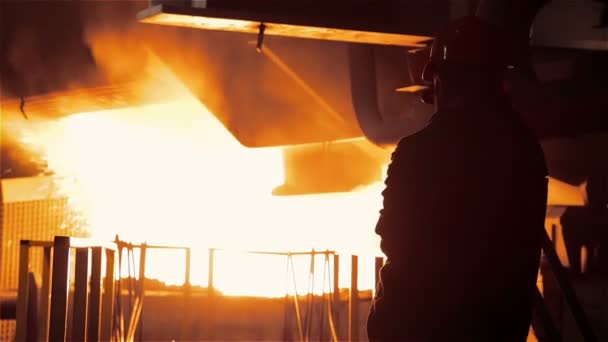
(561, 193)
(171, 174)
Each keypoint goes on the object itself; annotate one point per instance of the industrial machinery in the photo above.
(277, 73)
(328, 79)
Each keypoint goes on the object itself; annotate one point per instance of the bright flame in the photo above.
(171, 174)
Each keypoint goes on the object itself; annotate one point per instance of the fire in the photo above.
(171, 174)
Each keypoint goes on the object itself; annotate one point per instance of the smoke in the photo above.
(17, 158)
(96, 43)
(42, 48)
(258, 102)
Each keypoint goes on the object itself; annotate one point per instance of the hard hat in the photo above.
(470, 41)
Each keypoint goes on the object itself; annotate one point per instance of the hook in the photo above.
(22, 107)
(260, 42)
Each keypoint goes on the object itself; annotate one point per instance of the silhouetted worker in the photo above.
(464, 206)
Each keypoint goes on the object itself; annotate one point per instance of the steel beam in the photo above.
(354, 22)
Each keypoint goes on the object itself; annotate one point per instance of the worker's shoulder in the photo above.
(414, 141)
(424, 138)
(416, 146)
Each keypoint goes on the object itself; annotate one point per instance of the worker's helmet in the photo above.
(467, 41)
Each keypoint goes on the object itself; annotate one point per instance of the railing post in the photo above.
(23, 291)
(59, 288)
(187, 275)
(187, 291)
(120, 308)
(353, 307)
(107, 309)
(336, 301)
(79, 320)
(93, 317)
(45, 292)
(211, 297)
(142, 265)
(211, 271)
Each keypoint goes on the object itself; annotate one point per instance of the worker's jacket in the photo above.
(464, 208)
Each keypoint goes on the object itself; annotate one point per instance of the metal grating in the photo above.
(39, 218)
(7, 330)
(34, 220)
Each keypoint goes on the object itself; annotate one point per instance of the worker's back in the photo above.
(463, 212)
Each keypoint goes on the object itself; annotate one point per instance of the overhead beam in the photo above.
(348, 23)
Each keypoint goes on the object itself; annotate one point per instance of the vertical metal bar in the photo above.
(211, 265)
(310, 297)
(211, 297)
(79, 318)
(59, 288)
(93, 318)
(142, 265)
(107, 309)
(187, 292)
(23, 291)
(187, 275)
(32, 310)
(378, 265)
(45, 291)
(142, 280)
(353, 307)
(337, 279)
(119, 304)
(330, 312)
(336, 303)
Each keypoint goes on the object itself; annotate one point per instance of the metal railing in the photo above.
(26, 328)
(97, 295)
(137, 302)
(92, 301)
(94, 304)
